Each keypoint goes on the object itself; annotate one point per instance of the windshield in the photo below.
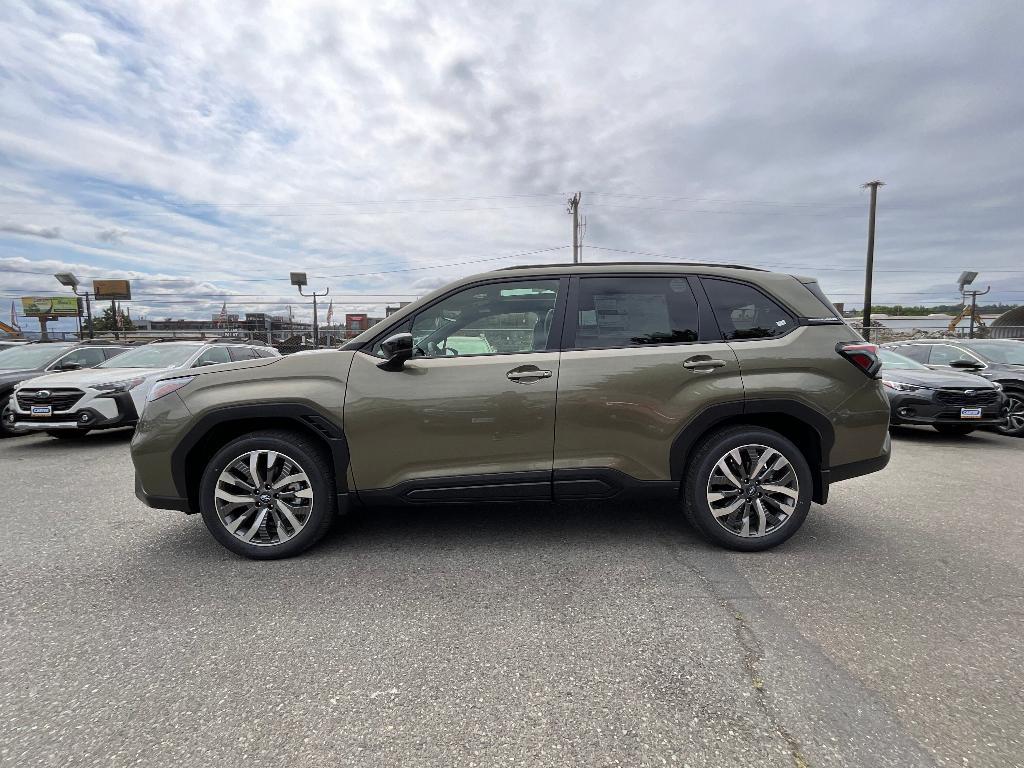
(155, 356)
(891, 360)
(31, 356)
(1008, 351)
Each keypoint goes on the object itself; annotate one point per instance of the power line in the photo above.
(318, 277)
(400, 201)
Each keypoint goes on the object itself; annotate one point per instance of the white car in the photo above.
(114, 393)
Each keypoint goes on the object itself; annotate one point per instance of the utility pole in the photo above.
(574, 209)
(873, 185)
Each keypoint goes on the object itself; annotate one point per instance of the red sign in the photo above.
(357, 322)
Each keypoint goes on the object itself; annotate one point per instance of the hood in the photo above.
(936, 379)
(10, 378)
(89, 376)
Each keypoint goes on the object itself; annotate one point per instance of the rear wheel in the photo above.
(1014, 426)
(268, 495)
(954, 429)
(747, 488)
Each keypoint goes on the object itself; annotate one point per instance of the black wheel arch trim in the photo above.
(705, 421)
(324, 427)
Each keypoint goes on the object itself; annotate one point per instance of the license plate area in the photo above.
(970, 413)
(42, 410)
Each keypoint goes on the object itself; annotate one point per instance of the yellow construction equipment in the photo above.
(966, 312)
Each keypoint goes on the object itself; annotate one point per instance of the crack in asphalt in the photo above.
(753, 653)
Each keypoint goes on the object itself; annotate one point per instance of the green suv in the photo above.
(739, 393)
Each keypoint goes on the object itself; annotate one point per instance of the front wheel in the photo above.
(268, 495)
(1014, 424)
(953, 429)
(747, 488)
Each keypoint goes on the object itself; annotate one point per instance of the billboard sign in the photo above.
(118, 290)
(49, 306)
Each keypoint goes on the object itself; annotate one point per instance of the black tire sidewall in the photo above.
(701, 466)
(311, 462)
(1002, 430)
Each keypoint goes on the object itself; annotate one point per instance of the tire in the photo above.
(787, 510)
(1015, 408)
(68, 434)
(953, 429)
(277, 536)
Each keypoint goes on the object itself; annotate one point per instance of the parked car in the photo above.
(740, 393)
(998, 360)
(953, 403)
(27, 361)
(114, 393)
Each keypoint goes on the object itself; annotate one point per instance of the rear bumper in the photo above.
(160, 502)
(842, 472)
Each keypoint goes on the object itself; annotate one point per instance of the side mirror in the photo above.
(69, 366)
(969, 364)
(396, 350)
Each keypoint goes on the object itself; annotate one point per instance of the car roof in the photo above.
(631, 266)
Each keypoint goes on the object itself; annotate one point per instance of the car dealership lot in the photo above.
(886, 632)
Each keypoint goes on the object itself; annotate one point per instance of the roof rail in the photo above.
(638, 264)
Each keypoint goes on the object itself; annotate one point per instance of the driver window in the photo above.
(212, 356)
(492, 319)
(944, 355)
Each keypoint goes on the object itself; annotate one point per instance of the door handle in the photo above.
(518, 375)
(703, 364)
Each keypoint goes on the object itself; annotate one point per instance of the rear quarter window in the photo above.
(744, 312)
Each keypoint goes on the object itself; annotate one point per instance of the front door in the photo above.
(472, 415)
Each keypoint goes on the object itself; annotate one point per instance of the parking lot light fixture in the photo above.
(68, 280)
(298, 279)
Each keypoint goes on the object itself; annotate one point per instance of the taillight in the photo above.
(862, 355)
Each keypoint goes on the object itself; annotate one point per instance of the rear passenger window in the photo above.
(743, 312)
(633, 311)
(241, 353)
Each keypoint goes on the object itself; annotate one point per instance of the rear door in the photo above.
(640, 360)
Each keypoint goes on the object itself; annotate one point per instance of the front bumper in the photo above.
(922, 407)
(160, 502)
(105, 412)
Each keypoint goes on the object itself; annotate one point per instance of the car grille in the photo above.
(60, 399)
(961, 396)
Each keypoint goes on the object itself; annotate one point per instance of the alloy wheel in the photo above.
(752, 491)
(1014, 415)
(263, 498)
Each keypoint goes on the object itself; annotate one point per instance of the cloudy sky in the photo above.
(207, 149)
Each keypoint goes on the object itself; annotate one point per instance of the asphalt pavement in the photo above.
(886, 633)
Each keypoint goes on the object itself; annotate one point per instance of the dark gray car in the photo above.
(998, 360)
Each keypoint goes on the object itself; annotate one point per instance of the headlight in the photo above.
(118, 386)
(899, 386)
(167, 386)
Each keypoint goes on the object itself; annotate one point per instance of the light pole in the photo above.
(299, 279)
(70, 281)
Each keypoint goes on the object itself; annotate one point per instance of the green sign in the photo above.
(34, 306)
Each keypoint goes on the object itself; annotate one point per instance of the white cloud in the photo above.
(226, 142)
